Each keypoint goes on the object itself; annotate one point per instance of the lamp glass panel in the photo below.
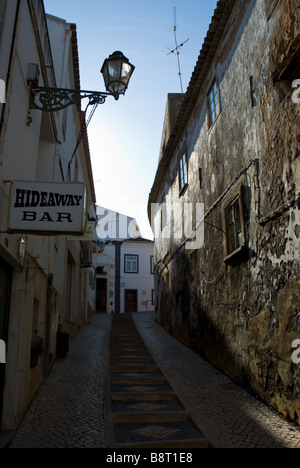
(114, 69)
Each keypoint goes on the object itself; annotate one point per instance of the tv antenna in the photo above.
(176, 50)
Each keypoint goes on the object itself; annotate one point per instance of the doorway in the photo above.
(101, 300)
(5, 292)
(131, 302)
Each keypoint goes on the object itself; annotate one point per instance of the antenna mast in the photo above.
(176, 50)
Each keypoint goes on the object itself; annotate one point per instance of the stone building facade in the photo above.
(46, 281)
(229, 171)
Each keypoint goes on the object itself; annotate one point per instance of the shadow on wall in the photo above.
(246, 343)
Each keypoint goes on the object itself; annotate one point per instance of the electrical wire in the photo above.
(83, 130)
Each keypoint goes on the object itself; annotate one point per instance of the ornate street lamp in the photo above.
(116, 70)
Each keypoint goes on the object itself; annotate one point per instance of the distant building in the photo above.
(125, 275)
(46, 281)
(137, 275)
(232, 144)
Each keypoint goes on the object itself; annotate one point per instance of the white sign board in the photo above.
(47, 208)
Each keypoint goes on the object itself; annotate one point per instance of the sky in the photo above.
(125, 135)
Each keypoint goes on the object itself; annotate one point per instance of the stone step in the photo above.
(116, 346)
(157, 432)
(139, 352)
(144, 410)
(141, 389)
(138, 380)
(136, 402)
(203, 443)
(131, 360)
(142, 397)
(174, 416)
(133, 368)
(126, 342)
(124, 336)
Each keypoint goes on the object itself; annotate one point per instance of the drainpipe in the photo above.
(48, 325)
(118, 245)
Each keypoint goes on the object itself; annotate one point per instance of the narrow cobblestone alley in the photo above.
(70, 408)
(67, 412)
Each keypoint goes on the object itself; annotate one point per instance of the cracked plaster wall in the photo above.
(242, 316)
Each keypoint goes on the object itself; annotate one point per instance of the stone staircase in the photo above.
(142, 410)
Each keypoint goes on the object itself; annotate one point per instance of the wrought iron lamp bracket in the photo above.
(56, 99)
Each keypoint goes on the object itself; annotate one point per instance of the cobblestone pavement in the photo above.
(228, 415)
(68, 409)
(67, 412)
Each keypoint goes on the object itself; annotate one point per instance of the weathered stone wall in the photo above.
(242, 315)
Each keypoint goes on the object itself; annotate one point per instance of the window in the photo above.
(70, 287)
(131, 264)
(234, 226)
(213, 104)
(153, 296)
(200, 178)
(163, 214)
(2, 13)
(179, 274)
(183, 174)
(288, 68)
(91, 279)
(152, 265)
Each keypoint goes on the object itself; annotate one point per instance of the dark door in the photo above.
(5, 290)
(101, 296)
(131, 300)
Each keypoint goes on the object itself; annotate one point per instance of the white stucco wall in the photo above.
(36, 150)
(143, 281)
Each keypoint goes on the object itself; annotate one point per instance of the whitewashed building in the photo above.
(46, 281)
(125, 275)
(137, 275)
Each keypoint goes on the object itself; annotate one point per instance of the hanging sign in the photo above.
(47, 208)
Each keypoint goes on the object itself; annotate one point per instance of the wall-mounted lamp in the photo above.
(116, 70)
(101, 246)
